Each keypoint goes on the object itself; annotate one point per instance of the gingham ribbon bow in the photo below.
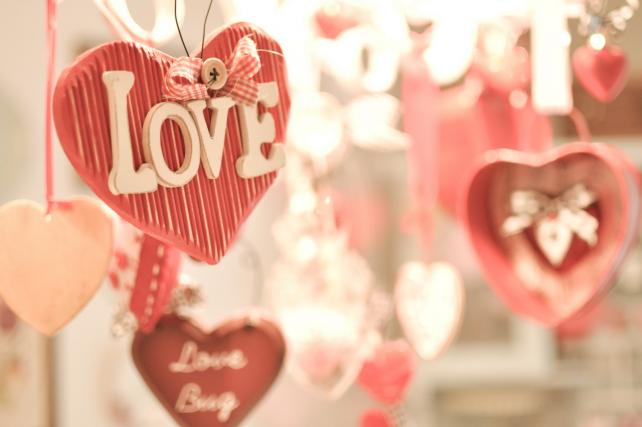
(182, 81)
(529, 207)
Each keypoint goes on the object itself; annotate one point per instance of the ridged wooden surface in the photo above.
(202, 217)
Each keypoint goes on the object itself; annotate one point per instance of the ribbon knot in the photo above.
(555, 219)
(183, 82)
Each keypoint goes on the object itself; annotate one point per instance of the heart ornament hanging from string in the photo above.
(429, 301)
(51, 264)
(181, 148)
(210, 379)
(551, 230)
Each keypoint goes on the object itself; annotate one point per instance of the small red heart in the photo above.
(603, 73)
(514, 266)
(203, 216)
(334, 18)
(387, 374)
(375, 418)
(210, 380)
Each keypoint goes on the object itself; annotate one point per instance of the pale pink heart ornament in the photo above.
(429, 301)
(51, 265)
(529, 281)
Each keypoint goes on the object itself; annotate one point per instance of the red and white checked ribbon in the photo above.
(182, 81)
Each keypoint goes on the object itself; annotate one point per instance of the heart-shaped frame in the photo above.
(514, 267)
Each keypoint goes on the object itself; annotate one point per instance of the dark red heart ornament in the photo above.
(210, 380)
(515, 265)
(603, 73)
(202, 216)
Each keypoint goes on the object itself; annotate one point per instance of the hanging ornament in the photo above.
(375, 418)
(551, 230)
(54, 258)
(601, 68)
(319, 290)
(51, 264)
(111, 107)
(210, 379)
(335, 16)
(429, 300)
(387, 373)
(603, 72)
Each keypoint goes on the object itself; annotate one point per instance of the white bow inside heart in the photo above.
(555, 220)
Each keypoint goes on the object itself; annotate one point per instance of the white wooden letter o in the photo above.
(152, 143)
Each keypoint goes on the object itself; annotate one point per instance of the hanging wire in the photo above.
(207, 14)
(178, 27)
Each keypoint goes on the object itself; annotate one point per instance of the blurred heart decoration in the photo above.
(474, 118)
(44, 282)
(429, 300)
(375, 418)
(172, 180)
(210, 379)
(321, 292)
(590, 190)
(602, 73)
(327, 348)
(387, 373)
(336, 16)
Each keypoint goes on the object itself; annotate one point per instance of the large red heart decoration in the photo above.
(603, 73)
(203, 216)
(210, 380)
(516, 265)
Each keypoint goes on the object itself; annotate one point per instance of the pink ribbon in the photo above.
(182, 81)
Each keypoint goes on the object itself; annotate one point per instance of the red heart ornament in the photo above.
(514, 265)
(210, 380)
(203, 216)
(387, 374)
(603, 73)
(375, 418)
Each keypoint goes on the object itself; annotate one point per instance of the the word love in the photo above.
(193, 360)
(203, 143)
